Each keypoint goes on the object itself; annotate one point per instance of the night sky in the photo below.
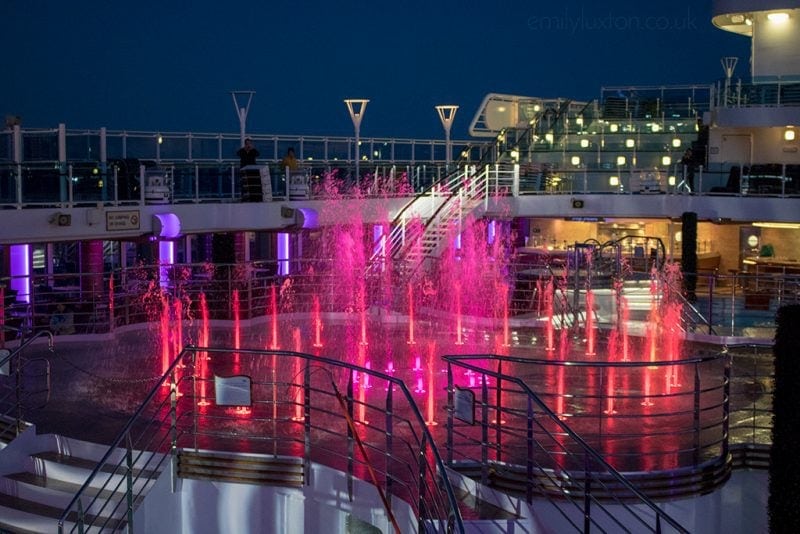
(170, 65)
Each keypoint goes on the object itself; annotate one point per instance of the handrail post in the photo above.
(529, 462)
(498, 435)
(173, 427)
(423, 512)
(389, 440)
(307, 422)
(726, 391)
(350, 437)
(484, 431)
(696, 414)
(450, 409)
(129, 482)
(587, 496)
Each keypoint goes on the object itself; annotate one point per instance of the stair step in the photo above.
(23, 515)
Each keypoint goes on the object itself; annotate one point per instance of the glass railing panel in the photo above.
(83, 146)
(40, 145)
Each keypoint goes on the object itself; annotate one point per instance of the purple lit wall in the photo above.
(21, 271)
(491, 232)
(379, 244)
(283, 254)
(166, 257)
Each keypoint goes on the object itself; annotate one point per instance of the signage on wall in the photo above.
(122, 220)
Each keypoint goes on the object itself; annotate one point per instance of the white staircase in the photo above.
(426, 225)
(40, 475)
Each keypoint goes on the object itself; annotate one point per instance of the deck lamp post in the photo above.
(241, 111)
(356, 108)
(447, 113)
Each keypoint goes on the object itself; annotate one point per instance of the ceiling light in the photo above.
(613, 181)
(676, 142)
(737, 19)
(788, 226)
(666, 161)
(584, 143)
(789, 134)
(780, 16)
(620, 160)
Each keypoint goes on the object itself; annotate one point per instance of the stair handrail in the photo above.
(171, 377)
(462, 361)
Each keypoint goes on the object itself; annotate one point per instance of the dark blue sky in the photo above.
(170, 65)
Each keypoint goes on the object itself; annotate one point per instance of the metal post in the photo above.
(104, 161)
(62, 162)
(241, 111)
(447, 113)
(356, 107)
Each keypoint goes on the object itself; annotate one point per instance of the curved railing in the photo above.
(587, 422)
(299, 405)
(21, 380)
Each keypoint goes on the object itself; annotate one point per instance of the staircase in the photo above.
(42, 473)
(426, 225)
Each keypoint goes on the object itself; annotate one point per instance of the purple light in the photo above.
(491, 230)
(310, 218)
(379, 246)
(283, 254)
(166, 225)
(21, 272)
(166, 257)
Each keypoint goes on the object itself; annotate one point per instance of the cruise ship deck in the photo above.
(565, 322)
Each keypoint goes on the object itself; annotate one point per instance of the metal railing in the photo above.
(293, 410)
(739, 304)
(567, 449)
(24, 383)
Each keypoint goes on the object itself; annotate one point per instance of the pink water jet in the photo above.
(411, 314)
(430, 405)
(202, 358)
(504, 296)
(299, 398)
(237, 329)
(274, 317)
(317, 323)
(590, 329)
(549, 333)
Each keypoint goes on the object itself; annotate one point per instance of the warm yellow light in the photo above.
(548, 137)
(671, 180)
(737, 19)
(630, 143)
(749, 22)
(576, 160)
(767, 224)
(584, 143)
(789, 134)
(780, 16)
(501, 109)
(613, 181)
(676, 142)
(159, 139)
(613, 128)
(666, 161)
(579, 121)
(655, 128)
(537, 108)
(620, 160)
(515, 155)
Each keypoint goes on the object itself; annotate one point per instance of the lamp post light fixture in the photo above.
(447, 114)
(241, 111)
(356, 107)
